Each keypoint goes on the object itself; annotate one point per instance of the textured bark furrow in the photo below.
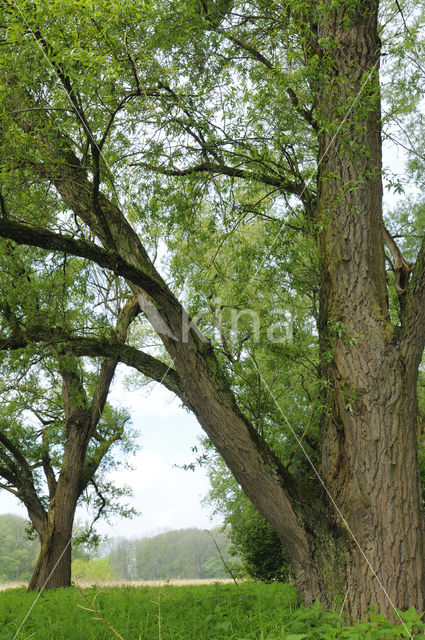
(369, 436)
(379, 439)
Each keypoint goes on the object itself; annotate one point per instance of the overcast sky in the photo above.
(166, 497)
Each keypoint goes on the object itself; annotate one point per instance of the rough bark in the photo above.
(369, 429)
(53, 566)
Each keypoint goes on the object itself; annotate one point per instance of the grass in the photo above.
(208, 612)
(187, 612)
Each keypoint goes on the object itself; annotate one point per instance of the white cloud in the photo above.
(167, 497)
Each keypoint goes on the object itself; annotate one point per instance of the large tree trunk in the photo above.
(53, 567)
(369, 459)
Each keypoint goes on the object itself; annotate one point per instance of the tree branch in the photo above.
(234, 172)
(74, 395)
(22, 479)
(81, 346)
(412, 334)
(17, 454)
(307, 115)
(9, 475)
(257, 55)
(101, 507)
(107, 371)
(92, 463)
(7, 488)
(47, 467)
(402, 268)
(106, 258)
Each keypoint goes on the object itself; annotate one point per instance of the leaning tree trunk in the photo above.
(353, 303)
(369, 458)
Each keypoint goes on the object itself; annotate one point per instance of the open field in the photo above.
(124, 583)
(252, 611)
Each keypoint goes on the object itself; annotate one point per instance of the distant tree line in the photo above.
(18, 553)
(187, 553)
(249, 547)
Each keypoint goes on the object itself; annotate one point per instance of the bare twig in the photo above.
(99, 615)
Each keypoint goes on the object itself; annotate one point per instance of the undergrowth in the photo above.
(254, 611)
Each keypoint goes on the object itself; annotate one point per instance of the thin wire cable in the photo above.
(42, 589)
(331, 498)
(319, 162)
(330, 144)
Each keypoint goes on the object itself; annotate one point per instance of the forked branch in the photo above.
(402, 268)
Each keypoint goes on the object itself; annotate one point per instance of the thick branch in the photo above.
(7, 488)
(81, 346)
(10, 476)
(257, 55)
(307, 115)
(21, 477)
(47, 467)
(234, 172)
(106, 258)
(412, 334)
(73, 392)
(17, 454)
(107, 371)
(92, 462)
